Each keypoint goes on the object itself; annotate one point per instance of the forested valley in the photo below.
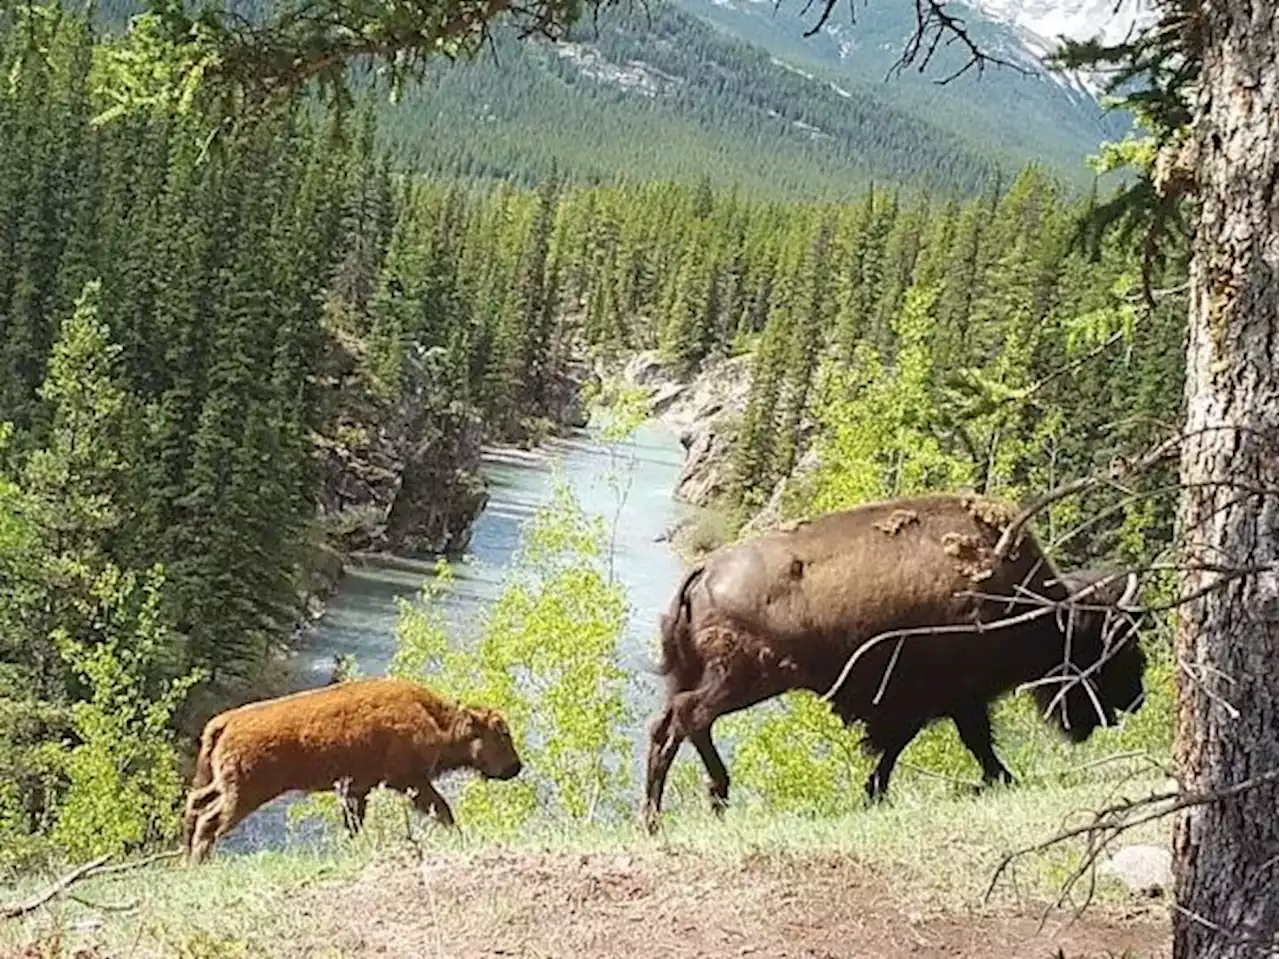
(226, 360)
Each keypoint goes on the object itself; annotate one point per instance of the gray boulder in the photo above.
(1144, 870)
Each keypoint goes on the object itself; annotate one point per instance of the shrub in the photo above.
(123, 783)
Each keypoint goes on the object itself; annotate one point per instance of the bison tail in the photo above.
(204, 760)
(676, 636)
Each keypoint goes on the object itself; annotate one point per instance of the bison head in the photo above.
(491, 749)
(1103, 662)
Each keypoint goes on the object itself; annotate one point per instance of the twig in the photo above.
(932, 774)
(979, 627)
(31, 905)
(1115, 820)
(92, 869)
(105, 906)
(933, 22)
(1083, 484)
(1114, 758)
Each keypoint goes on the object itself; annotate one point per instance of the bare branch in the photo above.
(59, 887)
(933, 23)
(935, 27)
(1048, 607)
(88, 870)
(1011, 534)
(1114, 821)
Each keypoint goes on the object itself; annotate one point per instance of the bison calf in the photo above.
(361, 733)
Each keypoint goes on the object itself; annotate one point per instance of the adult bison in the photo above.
(355, 735)
(903, 612)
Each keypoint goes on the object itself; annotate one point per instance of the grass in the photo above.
(934, 845)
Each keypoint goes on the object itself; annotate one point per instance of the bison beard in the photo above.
(352, 736)
(789, 610)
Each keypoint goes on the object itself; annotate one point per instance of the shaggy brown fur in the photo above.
(360, 733)
(786, 611)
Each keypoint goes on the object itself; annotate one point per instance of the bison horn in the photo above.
(1130, 592)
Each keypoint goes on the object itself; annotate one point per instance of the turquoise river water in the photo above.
(361, 616)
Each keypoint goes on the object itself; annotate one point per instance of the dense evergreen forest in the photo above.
(224, 358)
(654, 93)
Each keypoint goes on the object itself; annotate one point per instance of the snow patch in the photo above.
(786, 66)
(1040, 25)
(815, 133)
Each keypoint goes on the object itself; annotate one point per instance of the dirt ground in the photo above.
(682, 907)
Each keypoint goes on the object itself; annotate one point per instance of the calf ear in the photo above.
(464, 726)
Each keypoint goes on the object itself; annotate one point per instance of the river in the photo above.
(360, 618)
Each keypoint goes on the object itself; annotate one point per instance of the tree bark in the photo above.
(1225, 852)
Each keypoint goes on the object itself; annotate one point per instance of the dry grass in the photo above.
(918, 865)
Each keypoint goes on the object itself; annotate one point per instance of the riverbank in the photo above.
(704, 410)
(362, 616)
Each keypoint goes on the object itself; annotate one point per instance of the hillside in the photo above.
(1036, 115)
(667, 97)
(731, 91)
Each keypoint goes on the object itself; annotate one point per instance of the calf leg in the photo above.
(973, 723)
(355, 803)
(428, 800)
(220, 816)
(197, 802)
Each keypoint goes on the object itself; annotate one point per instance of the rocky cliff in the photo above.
(400, 477)
(405, 478)
(705, 411)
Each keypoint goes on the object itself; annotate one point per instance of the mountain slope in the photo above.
(666, 96)
(1033, 115)
(730, 91)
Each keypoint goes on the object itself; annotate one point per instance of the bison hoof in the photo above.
(649, 820)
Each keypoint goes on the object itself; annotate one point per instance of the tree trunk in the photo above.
(1225, 852)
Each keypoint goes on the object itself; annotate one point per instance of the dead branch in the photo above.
(1120, 470)
(1115, 758)
(105, 906)
(1075, 364)
(978, 627)
(1044, 606)
(1114, 821)
(935, 28)
(88, 870)
(934, 774)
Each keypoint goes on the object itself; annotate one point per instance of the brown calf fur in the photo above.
(786, 610)
(359, 734)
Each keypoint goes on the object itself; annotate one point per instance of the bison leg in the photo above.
(718, 788)
(664, 741)
(428, 801)
(197, 802)
(221, 816)
(354, 807)
(892, 744)
(973, 723)
(690, 715)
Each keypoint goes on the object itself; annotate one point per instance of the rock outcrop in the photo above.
(564, 402)
(401, 479)
(705, 413)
